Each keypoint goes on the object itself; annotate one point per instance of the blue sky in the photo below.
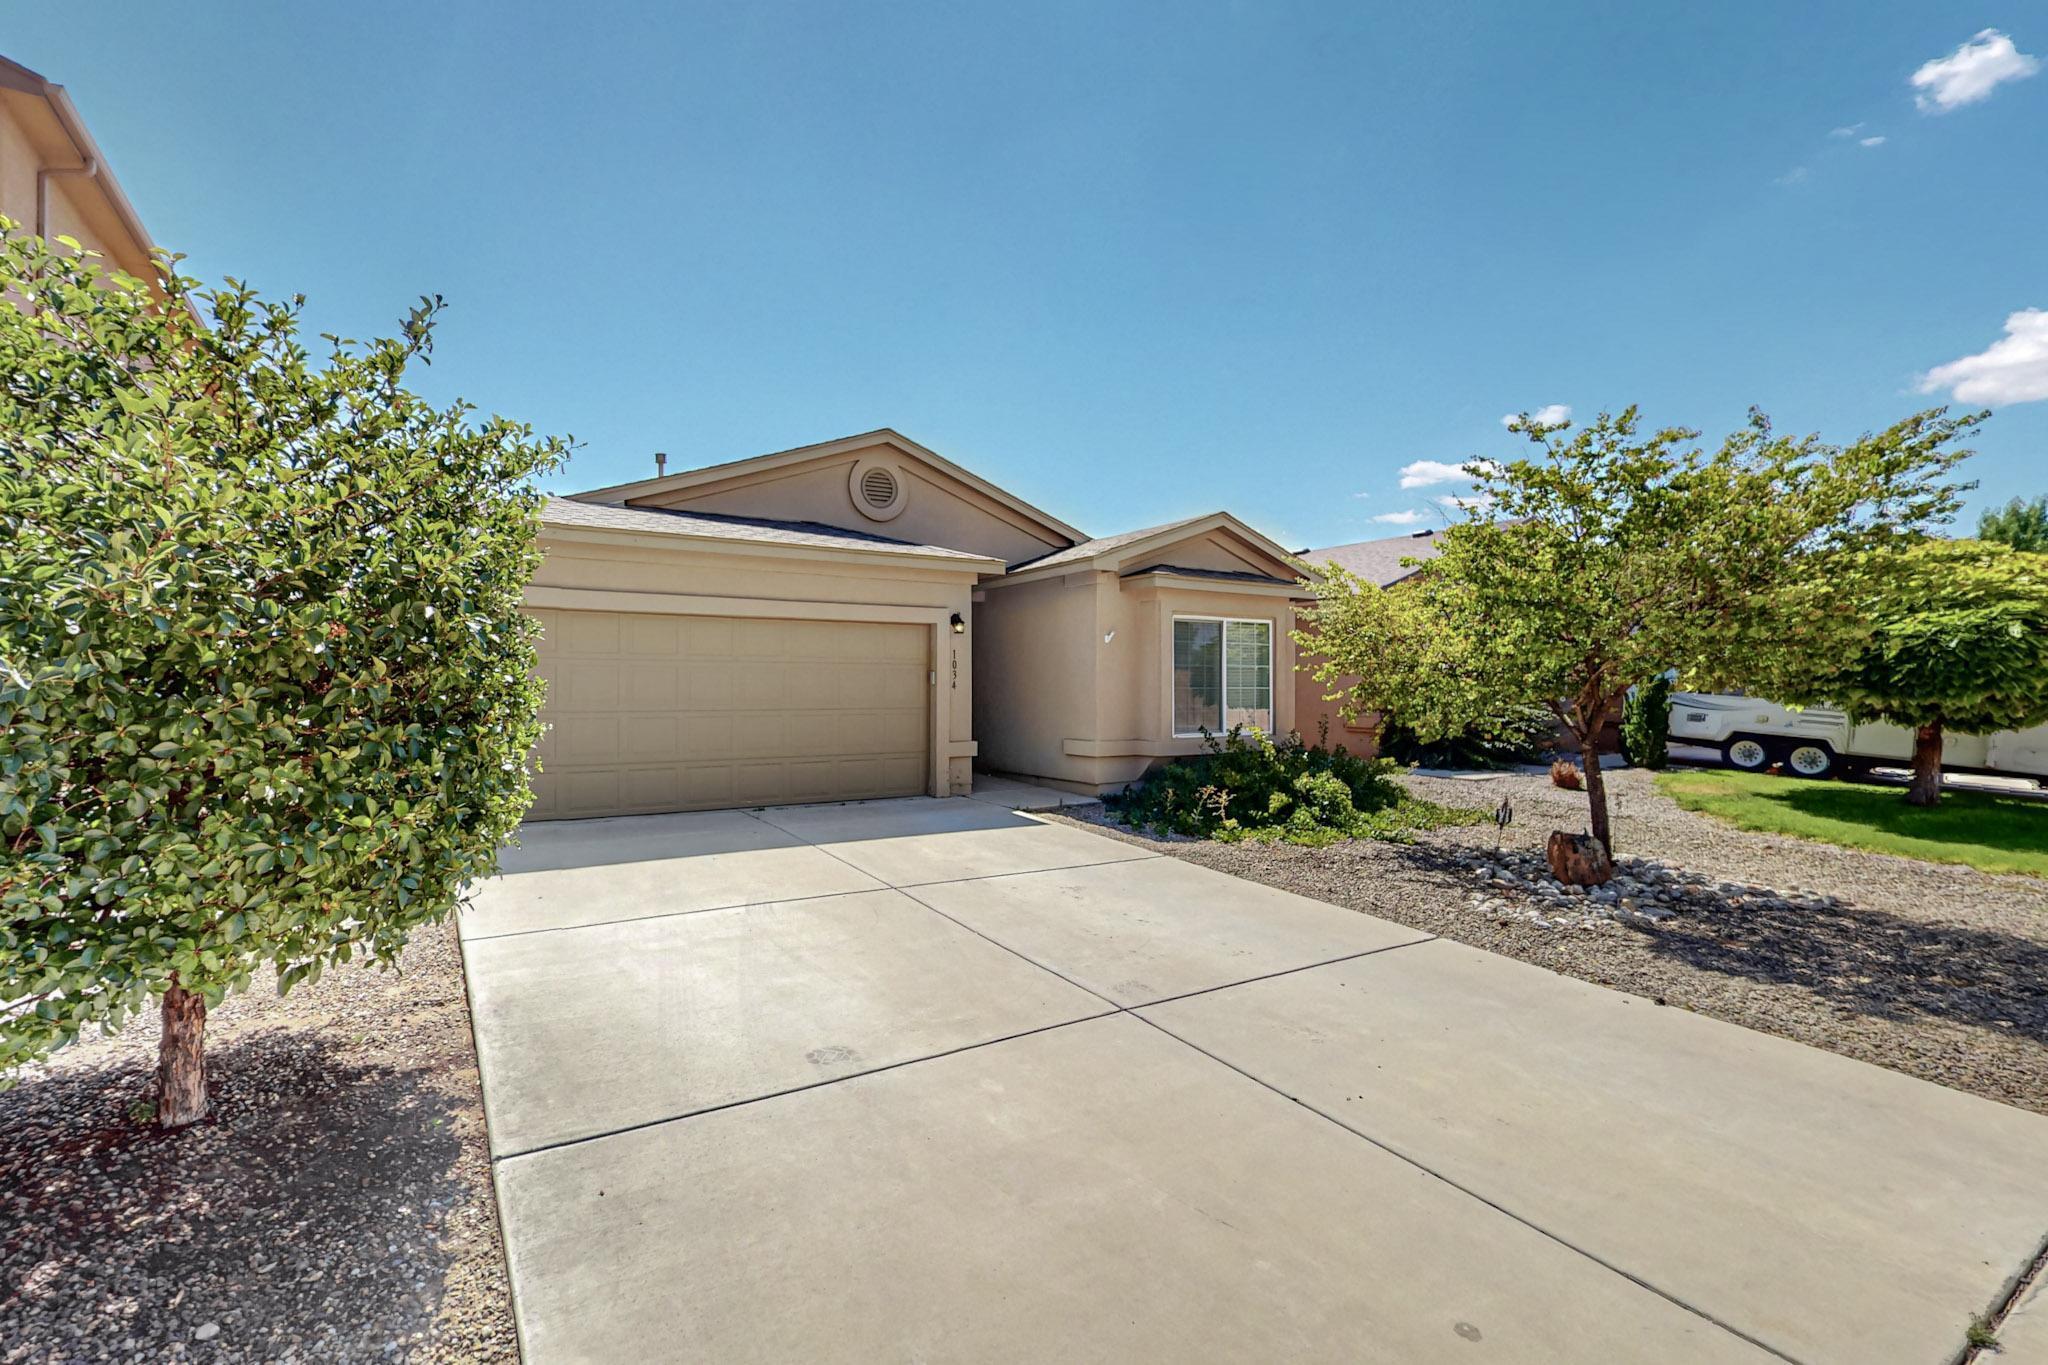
(1130, 261)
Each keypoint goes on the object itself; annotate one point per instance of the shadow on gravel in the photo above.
(1856, 958)
(1874, 963)
(301, 1220)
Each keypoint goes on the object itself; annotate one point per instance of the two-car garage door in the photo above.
(662, 713)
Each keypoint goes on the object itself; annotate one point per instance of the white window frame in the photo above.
(1223, 658)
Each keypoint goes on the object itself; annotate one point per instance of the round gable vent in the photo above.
(878, 486)
(877, 489)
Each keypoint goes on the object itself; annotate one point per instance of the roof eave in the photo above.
(690, 478)
(981, 565)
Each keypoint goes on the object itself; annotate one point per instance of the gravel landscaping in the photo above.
(336, 1206)
(1936, 970)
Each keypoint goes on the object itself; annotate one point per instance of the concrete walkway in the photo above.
(937, 1080)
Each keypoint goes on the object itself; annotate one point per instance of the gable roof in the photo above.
(1114, 552)
(563, 512)
(1379, 561)
(896, 440)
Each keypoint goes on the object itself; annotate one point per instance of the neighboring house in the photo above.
(1384, 562)
(54, 181)
(1379, 562)
(864, 618)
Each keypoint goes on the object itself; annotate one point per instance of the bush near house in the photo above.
(1248, 786)
(1646, 724)
(1519, 734)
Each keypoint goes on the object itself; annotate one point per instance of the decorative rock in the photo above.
(1579, 859)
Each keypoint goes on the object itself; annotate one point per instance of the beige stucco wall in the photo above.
(32, 139)
(1317, 718)
(624, 572)
(937, 510)
(1076, 672)
(1035, 651)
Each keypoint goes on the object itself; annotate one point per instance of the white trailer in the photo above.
(1821, 741)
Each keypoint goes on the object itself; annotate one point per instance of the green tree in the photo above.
(1646, 724)
(1954, 638)
(1611, 555)
(266, 691)
(2021, 523)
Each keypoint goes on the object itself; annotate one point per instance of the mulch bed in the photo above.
(335, 1206)
(1935, 970)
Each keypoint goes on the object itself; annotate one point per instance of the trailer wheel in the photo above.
(1746, 753)
(1810, 760)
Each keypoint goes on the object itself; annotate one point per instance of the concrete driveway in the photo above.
(937, 1080)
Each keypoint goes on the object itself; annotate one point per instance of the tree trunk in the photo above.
(1596, 787)
(181, 1059)
(1926, 788)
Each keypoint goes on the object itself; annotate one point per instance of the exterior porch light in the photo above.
(959, 626)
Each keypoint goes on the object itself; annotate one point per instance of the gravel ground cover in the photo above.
(336, 1206)
(1936, 970)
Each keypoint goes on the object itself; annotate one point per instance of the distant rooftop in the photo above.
(1379, 561)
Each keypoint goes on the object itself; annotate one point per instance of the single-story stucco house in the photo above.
(864, 618)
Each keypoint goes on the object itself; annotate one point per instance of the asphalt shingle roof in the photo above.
(719, 526)
(1101, 545)
(1379, 561)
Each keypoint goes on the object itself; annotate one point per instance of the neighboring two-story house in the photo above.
(55, 181)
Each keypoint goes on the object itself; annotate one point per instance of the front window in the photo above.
(1222, 675)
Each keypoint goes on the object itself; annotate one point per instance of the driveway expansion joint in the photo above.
(1466, 1190)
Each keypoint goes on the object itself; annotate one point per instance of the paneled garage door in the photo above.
(661, 713)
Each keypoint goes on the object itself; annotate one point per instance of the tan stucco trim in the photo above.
(1119, 556)
(1197, 582)
(958, 564)
(641, 489)
(1131, 748)
(939, 619)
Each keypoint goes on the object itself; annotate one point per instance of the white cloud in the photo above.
(1796, 176)
(1847, 130)
(1870, 141)
(2013, 369)
(1548, 416)
(1971, 73)
(1407, 518)
(1453, 502)
(1423, 473)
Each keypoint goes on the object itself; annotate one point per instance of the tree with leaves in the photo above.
(2021, 523)
(266, 691)
(1612, 554)
(1954, 637)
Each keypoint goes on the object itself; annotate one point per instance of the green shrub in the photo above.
(1646, 724)
(266, 689)
(1250, 787)
(1520, 734)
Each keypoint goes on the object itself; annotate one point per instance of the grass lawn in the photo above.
(1992, 833)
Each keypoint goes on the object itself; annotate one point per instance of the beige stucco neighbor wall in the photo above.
(1077, 672)
(1315, 717)
(623, 572)
(33, 139)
